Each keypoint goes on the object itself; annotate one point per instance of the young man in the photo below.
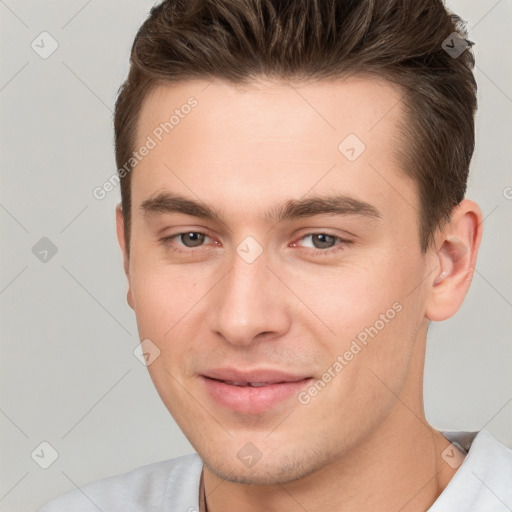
(293, 217)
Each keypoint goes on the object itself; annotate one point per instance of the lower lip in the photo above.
(250, 400)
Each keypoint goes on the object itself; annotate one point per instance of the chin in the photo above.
(270, 470)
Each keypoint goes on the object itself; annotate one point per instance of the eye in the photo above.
(192, 238)
(323, 242)
(189, 239)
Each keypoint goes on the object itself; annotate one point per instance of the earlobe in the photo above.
(129, 298)
(455, 259)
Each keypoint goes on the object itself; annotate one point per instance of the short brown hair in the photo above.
(398, 40)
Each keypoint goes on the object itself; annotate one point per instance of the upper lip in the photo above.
(267, 376)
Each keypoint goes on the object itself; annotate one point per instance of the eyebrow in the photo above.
(338, 204)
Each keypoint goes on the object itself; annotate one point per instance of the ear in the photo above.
(120, 227)
(456, 248)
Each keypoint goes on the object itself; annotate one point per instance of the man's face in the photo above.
(320, 304)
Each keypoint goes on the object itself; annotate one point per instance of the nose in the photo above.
(249, 304)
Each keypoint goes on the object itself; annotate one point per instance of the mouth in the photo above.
(252, 392)
(251, 384)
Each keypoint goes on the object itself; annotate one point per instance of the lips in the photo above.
(252, 391)
(257, 376)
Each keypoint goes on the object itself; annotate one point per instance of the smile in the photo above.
(252, 394)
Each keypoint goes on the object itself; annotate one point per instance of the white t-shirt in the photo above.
(483, 483)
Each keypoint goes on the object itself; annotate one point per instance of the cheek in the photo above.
(167, 303)
(373, 311)
(154, 303)
(349, 298)
(164, 306)
(162, 294)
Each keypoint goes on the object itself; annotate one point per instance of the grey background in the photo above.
(68, 373)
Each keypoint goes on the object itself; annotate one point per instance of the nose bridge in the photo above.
(246, 279)
(246, 303)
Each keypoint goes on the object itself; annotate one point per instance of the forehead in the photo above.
(274, 109)
(272, 139)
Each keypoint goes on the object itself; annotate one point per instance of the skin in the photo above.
(362, 443)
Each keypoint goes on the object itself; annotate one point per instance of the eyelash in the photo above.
(342, 242)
